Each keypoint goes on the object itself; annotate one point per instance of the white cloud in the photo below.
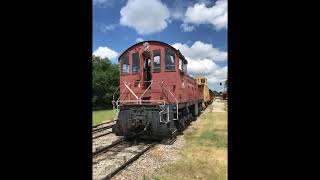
(103, 3)
(200, 58)
(105, 28)
(145, 17)
(208, 69)
(216, 15)
(201, 66)
(200, 50)
(218, 75)
(176, 14)
(104, 52)
(139, 40)
(187, 27)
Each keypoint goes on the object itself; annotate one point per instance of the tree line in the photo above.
(105, 81)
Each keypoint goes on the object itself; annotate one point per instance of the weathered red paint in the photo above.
(182, 86)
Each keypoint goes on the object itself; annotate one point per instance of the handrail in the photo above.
(115, 92)
(146, 90)
(131, 91)
(113, 97)
(122, 93)
(135, 101)
(177, 104)
(139, 99)
(160, 113)
(169, 92)
(158, 101)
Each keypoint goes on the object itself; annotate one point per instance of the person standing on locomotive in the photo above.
(146, 65)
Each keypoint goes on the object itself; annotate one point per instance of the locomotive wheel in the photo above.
(185, 123)
(188, 120)
(182, 124)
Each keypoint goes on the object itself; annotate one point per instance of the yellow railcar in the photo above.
(203, 87)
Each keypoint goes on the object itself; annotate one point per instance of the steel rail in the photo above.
(123, 166)
(95, 126)
(102, 129)
(105, 148)
(95, 137)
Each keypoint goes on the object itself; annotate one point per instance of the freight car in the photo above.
(224, 95)
(212, 97)
(157, 96)
(202, 83)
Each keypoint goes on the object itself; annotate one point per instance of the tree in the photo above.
(105, 81)
(216, 93)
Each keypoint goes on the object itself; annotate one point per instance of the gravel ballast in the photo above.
(157, 158)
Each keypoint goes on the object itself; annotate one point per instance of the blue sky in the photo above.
(198, 28)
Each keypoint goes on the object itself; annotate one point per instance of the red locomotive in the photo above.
(157, 96)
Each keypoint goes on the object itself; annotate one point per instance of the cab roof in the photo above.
(151, 41)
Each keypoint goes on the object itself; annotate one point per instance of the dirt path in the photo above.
(218, 105)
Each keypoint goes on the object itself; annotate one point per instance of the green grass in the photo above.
(204, 155)
(101, 116)
(213, 138)
(226, 105)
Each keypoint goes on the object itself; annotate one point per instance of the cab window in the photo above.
(170, 60)
(156, 61)
(182, 66)
(135, 63)
(125, 65)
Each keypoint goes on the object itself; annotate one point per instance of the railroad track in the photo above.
(111, 159)
(95, 126)
(102, 126)
(98, 129)
(102, 134)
